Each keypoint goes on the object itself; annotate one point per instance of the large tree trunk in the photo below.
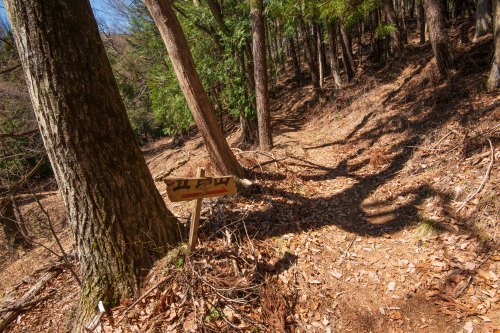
(421, 21)
(334, 58)
(260, 69)
(439, 40)
(390, 15)
(483, 18)
(493, 82)
(347, 57)
(120, 222)
(175, 41)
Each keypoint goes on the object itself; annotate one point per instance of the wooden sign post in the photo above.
(184, 189)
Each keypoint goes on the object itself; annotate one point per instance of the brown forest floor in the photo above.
(351, 223)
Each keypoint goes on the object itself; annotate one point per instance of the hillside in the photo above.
(357, 220)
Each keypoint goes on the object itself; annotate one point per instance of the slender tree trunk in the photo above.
(484, 20)
(334, 58)
(175, 41)
(377, 43)
(248, 124)
(321, 62)
(439, 40)
(390, 14)
(411, 10)
(260, 68)
(404, 29)
(310, 56)
(347, 57)
(295, 61)
(421, 21)
(120, 222)
(493, 82)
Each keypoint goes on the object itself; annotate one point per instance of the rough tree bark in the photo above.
(119, 220)
(261, 79)
(390, 15)
(347, 57)
(437, 33)
(493, 82)
(175, 41)
(483, 18)
(334, 58)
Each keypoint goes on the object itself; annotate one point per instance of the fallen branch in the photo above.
(28, 305)
(169, 171)
(27, 297)
(485, 179)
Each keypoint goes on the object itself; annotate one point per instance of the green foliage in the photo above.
(213, 314)
(384, 30)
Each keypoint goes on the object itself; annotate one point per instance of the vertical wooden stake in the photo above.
(195, 217)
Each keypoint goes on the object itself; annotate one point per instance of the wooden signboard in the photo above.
(184, 189)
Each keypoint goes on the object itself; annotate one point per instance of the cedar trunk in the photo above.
(310, 55)
(421, 21)
(483, 18)
(321, 60)
(295, 62)
(439, 40)
(260, 70)
(390, 15)
(334, 59)
(493, 82)
(119, 220)
(347, 57)
(175, 41)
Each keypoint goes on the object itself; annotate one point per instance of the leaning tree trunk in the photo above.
(334, 59)
(390, 14)
(439, 40)
(483, 18)
(119, 220)
(260, 70)
(493, 82)
(178, 49)
(421, 21)
(347, 57)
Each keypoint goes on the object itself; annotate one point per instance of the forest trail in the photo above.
(351, 224)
